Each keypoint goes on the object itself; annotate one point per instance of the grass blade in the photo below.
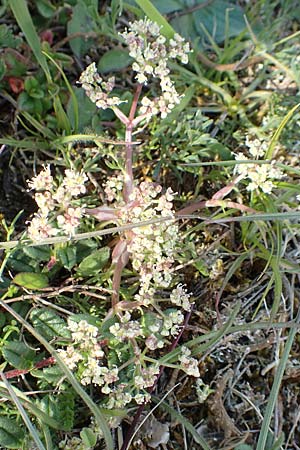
(31, 428)
(71, 91)
(274, 140)
(22, 15)
(261, 444)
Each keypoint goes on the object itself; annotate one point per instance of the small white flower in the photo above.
(43, 181)
(70, 220)
(73, 182)
(40, 229)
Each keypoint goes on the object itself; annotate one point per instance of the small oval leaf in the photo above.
(18, 355)
(93, 263)
(49, 324)
(114, 60)
(31, 280)
(89, 438)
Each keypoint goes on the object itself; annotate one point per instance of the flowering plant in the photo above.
(119, 356)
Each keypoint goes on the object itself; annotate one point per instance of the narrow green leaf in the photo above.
(243, 447)
(263, 435)
(22, 15)
(61, 116)
(70, 89)
(32, 430)
(275, 137)
(30, 406)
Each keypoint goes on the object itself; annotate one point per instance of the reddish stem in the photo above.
(128, 185)
(120, 264)
(39, 365)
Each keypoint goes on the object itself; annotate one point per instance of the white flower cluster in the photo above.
(86, 354)
(98, 90)
(260, 176)
(167, 325)
(114, 187)
(146, 377)
(189, 364)
(126, 329)
(121, 396)
(172, 322)
(53, 199)
(151, 247)
(152, 52)
(180, 297)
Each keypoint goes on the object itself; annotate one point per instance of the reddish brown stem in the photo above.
(39, 365)
(117, 280)
(128, 185)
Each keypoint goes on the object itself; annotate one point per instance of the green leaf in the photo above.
(85, 113)
(273, 396)
(7, 39)
(213, 18)
(3, 7)
(48, 323)
(81, 22)
(276, 136)
(18, 355)
(67, 256)
(201, 266)
(60, 406)
(38, 253)
(114, 60)
(49, 375)
(30, 280)
(168, 6)
(88, 437)
(11, 434)
(92, 264)
(45, 8)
